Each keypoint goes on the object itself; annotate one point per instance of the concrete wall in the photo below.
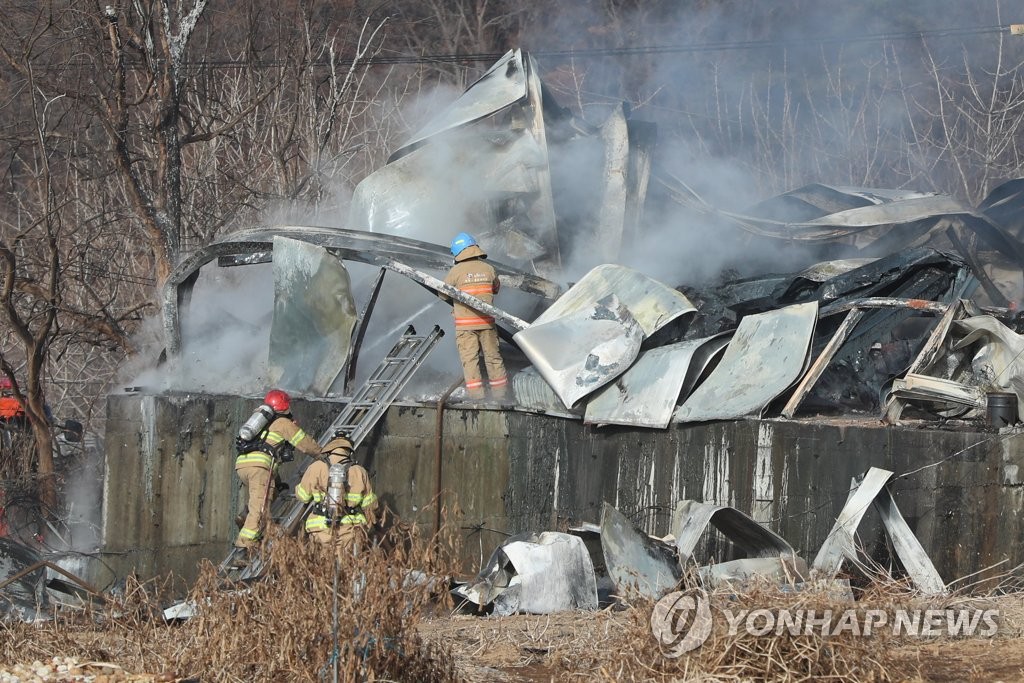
(171, 496)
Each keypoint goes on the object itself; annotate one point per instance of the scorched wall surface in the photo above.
(170, 494)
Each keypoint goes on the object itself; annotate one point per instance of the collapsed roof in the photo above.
(620, 347)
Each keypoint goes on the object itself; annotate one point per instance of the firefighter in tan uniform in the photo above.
(257, 466)
(356, 512)
(475, 333)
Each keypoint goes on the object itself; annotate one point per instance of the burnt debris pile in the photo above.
(591, 565)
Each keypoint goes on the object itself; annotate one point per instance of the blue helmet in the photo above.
(461, 241)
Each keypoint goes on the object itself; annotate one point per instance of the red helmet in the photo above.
(278, 400)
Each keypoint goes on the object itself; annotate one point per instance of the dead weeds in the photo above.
(617, 644)
(279, 628)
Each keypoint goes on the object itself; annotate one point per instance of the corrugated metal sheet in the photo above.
(647, 393)
(314, 314)
(768, 353)
(533, 394)
(584, 350)
(842, 543)
(502, 85)
(652, 303)
(637, 565)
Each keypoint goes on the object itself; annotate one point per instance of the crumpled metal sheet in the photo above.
(768, 555)
(691, 519)
(899, 211)
(1004, 205)
(767, 354)
(999, 360)
(703, 359)
(434, 188)
(314, 315)
(820, 212)
(502, 85)
(26, 598)
(937, 390)
(652, 303)
(647, 393)
(636, 563)
(610, 219)
(534, 394)
(782, 569)
(354, 245)
(872, 277)
(841, 541)
(816, 200)
(454, 171)
(537, 574)
(590, 533)
(584, 350)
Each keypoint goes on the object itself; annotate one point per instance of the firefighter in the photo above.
(257, 464)
(475, 333)
(355, 513)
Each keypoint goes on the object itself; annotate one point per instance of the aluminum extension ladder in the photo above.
(359, 416)
(371, 401)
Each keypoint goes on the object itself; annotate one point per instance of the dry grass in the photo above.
(618, 645)
(280, 628)
(632, 653)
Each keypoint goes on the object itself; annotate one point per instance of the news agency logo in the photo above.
(682, 621)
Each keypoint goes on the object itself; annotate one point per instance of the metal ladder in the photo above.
(359, 416)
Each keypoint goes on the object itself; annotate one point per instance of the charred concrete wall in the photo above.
(171, 495)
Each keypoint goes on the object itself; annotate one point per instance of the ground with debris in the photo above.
(593, 646)
(530, 648)
(72, 670)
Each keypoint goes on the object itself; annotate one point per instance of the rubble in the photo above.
(549, 572)
(22, 581)
(889, 260)
(637, 564)
(767, 555)
(31, 587)
(877, 308)
(765, 357)
(534, 574)
(840, 544)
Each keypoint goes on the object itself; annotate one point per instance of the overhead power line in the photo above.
(601, 52)
(677, 48)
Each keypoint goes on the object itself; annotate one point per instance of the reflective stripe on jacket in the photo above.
(477, 278)
(280, 430)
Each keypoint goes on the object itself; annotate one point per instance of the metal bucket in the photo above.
(1002, 408)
